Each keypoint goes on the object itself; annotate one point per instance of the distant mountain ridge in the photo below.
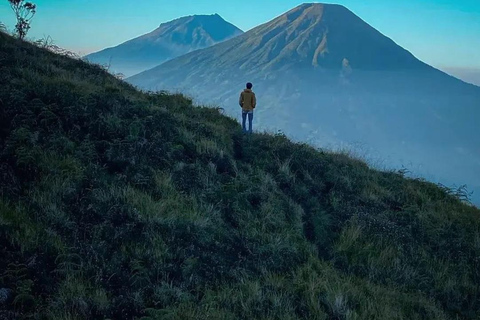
(325, 76)
(314, 37)
(169, 40)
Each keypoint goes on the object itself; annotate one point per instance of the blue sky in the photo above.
(443, 33)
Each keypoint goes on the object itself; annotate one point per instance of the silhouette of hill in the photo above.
(325, 76)
(118, 204)
(470, 75)
(169, 40)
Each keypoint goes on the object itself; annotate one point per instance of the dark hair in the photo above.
(249, 85)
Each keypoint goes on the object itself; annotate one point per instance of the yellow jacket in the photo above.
(247, 100)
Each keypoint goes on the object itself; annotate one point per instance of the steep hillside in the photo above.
(323, 75)
(169, 40)
(119, 204)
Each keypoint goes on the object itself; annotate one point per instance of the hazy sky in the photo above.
(443, 33)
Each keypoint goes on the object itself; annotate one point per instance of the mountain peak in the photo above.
(194, 18)
(205, 30)
(171, 39)
(310, 7)
(316, 10)
(319, 6)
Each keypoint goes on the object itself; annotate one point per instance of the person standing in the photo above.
(247, 102)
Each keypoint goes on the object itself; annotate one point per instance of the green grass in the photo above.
(118, 204)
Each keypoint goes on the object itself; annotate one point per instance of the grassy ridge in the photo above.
(120, 204)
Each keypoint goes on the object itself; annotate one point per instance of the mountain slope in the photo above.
(119, 204)
(170, 40)
(323, 75)
(309, 36)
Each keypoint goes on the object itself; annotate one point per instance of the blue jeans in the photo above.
(244, 120)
